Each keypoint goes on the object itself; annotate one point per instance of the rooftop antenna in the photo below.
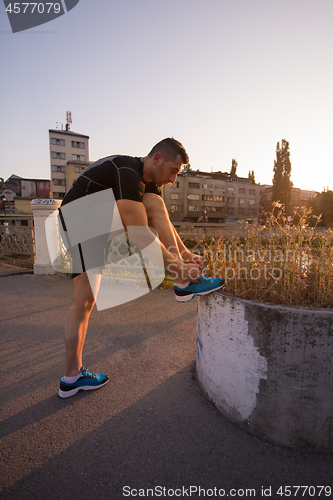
(68, 120)
(59, 125)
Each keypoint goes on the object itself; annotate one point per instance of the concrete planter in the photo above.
(269, 369)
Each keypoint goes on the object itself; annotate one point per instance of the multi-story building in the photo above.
(19, 187)
(213, 197)
(299, 198)
(16, 194)
(69, 155)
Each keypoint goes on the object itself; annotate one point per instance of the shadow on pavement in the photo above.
(172, 438)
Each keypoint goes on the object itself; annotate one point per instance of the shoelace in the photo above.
(204, 279)
(86, 373)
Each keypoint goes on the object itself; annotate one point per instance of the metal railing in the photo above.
(17, 242)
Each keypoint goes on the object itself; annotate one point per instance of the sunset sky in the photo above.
(228, 78)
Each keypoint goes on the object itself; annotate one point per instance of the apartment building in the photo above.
(69, 155)
(217, 197)
(299, 198)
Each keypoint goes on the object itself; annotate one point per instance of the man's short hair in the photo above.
(170, 148)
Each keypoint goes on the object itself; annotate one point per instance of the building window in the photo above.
(211, 209)
(78, 157)
(59, 182)
(174, 196)
(59, 156)
(208, 186)
(230, 211)
(218, 198)
(57, 142)
(76, 144)
(241, 211)
(194, 185)
(219, 209)
(78, 170)
(241, 190)
(252, 191)
(58, 196)
(207, 197)
(174, 208)
(252, 202)
(231, 200)
(231, 190)
(193, 197)
(220, 188)
(58, 168)
(241, 201)
(192, 208)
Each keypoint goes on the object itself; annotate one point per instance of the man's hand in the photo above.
(191, 272)
(192, 258)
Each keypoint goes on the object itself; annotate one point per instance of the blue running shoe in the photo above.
(204, 286)
(87, 382)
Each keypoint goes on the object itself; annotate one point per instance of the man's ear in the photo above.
(157, 158)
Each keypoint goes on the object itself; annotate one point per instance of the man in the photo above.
(136, 184)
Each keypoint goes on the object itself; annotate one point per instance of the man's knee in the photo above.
(83, 297)
(83, 307)
(154, 205)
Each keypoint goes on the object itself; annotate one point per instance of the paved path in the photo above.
(7, 269)
(149, 427)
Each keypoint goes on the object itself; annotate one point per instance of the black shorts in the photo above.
(90, 254)
(87, 255)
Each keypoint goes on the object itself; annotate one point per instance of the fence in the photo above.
(190, 234)
(17, 243)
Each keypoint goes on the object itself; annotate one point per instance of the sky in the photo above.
(228, 78)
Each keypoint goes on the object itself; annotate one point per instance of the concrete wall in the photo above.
(22, 206)
(269, 368)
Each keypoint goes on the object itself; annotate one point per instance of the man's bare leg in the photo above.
(77, 321)
(158, 219)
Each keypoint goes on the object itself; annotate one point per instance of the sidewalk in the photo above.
(149, 427)
(7, 269)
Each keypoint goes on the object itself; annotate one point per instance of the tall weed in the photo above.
(283, 261)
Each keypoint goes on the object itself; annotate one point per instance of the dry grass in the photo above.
(284, 261)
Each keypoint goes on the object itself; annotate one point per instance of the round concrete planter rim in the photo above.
(272, 304)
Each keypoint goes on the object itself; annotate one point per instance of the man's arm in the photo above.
(186, 254)
(135, 220)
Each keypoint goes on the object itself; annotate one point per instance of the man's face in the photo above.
(165, 172)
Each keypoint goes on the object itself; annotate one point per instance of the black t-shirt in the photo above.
(124, 174)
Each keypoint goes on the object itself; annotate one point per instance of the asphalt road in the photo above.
(149, 433)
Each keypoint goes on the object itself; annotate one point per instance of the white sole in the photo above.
(69, 394)
(187, 298)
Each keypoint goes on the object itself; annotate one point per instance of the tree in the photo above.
(234, 165)
(323, 205)
(252, 177)
(282, 185)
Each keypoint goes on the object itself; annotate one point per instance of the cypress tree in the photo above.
(234, 165)
(282, 185)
